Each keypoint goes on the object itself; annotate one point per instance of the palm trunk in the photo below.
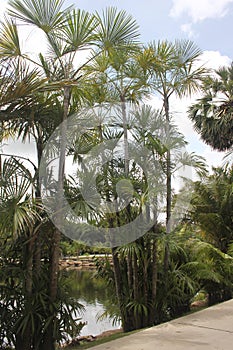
(154, 278)
(129, 271)
(135, 276)
(136, 287)
(168, 182)
(125, 130)
(24, 340)
(55, 253)
(37, 252)
(56, 237)
(119, 285)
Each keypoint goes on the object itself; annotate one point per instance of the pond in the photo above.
(93, 294)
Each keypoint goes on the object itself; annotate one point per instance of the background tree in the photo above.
(212, 114)
(212, 208)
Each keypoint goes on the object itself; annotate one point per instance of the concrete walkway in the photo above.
(211, 329)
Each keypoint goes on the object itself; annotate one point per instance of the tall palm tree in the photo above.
(117, 77)
(212, 114)
(173, 73)
(68, 31)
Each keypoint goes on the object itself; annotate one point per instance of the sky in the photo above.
(209, 23)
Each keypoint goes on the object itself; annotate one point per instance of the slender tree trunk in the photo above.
(49, 341)
(154, 279)
(168, 182)
(24, 340)
(136, 287)
(154, 270)
(119, 286)
(39, 149)
(127, 316)
(55, 253)
(129, 271)
(37, 251)
(125, 130)
(27, 336)
(135, 277)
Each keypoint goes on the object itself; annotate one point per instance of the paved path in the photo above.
(210, 329)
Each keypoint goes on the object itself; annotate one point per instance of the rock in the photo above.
(199, 303)
(108, 333)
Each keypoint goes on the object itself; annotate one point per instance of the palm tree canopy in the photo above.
(116, 29)
(212, 207)
(18, 212)
(212, 115)
(173, 66)
(47, 15)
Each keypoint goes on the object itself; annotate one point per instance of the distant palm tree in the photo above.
(212, 208)
(212, 115)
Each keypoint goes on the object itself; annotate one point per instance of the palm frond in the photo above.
(212, 114)
(116, 29)
(9, 41)
(79, 31)
(47, 15)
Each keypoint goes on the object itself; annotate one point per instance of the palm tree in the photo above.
(18, 217)
(68, 31)
(212, 114)
(24, 315)
(212, 208)
(173, 73)
(119, 78)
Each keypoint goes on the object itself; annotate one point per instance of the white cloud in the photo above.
(3, 7)
(214, 59)
(200, 10)
(187, 28)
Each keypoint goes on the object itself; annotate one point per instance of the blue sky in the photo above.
(209, 23)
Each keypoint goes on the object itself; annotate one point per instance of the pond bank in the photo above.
(211, 328)
(82, 261)
(82, 340)
(85, 342)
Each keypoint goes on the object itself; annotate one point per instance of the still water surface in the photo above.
(93, 294)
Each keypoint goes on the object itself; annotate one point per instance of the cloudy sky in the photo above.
(209, 23)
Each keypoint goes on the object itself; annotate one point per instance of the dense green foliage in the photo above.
(155, 276)
(212, 114)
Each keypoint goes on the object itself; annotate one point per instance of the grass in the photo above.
(102, 340)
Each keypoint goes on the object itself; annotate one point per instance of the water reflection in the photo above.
(93, 293)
